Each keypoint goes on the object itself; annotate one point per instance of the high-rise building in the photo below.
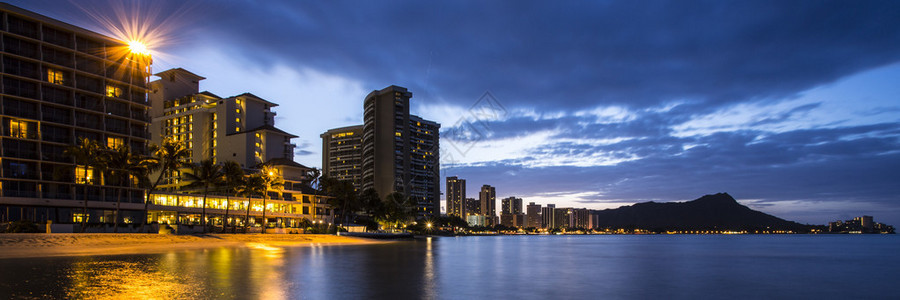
(400, 151)
(560, 218)
(473, 206)
(533, 215)
(511, 205)
(547, 220)
(342, 154)
(488, 200)
(456, 197)
(60, 84)
(580, 218)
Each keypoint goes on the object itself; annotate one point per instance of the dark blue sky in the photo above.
(792, 107)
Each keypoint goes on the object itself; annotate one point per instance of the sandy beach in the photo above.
(21, 245)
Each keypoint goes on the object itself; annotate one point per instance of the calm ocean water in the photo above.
(505, 267)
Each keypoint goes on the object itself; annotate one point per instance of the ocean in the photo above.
(487, 267)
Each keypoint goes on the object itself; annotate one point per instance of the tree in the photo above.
(370, 201)
(234, 176)
(343, 196)
(206, 174)
(167, 157)
(398, 209)
(271, 181)
(88, 154)
(125, 165)
(250, 185)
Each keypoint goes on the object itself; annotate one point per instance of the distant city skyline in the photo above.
(791, 107)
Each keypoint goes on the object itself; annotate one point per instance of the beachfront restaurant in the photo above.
(291, 211)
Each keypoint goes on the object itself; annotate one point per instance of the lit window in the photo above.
(18, 129)
(84, 177)
(257, 145)
(55, 76)
(397, 133)
(190, 145)
(113, 91)
(214, 143)
(114, 142)
(237, 110)
(213, 116)
(190, 118)
(237, 120)
(258, 135)
(238, 129)
(237, 101)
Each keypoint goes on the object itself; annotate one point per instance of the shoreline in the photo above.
(32, 245)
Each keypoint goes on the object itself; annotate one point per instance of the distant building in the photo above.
(473, 206)
(533, 215)
(510, 210)
(863, 224)
(400, 151)
(456, 197)
(342, 154)
(560, 218)
(580, 218)
(488, 200)
(477, 220)
(511, 205)
(547, 220)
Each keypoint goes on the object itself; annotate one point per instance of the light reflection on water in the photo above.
(483, 267)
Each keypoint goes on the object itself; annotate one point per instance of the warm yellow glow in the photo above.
(138, 47)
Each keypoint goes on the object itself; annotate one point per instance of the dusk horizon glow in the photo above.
(791, 107)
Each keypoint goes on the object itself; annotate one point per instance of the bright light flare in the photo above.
(138, 47)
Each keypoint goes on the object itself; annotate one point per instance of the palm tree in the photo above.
(124, 165)
(271, 181)
(253, 184)
(168, 156)
(205, 174)
(234, 175)
(87, 154)
(343, 196)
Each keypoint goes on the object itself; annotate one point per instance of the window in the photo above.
(114, 142)
(397, 133)
(237, 110)
(55, 76)
(84, 175)
(237, 120)
(113, 91)
(237, 101)
(18, 129)
(237, 129)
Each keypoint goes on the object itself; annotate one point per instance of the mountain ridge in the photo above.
(710, 212)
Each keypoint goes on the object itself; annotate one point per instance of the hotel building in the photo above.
(342, 154)
(511, 212)
(533, 215)
(456, 197)
(238, 128)
(61, 83)
(488, 199)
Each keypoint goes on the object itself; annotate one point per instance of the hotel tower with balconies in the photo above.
(61, 84)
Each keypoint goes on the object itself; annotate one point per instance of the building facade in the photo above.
(456, 197)
(60, 84)
(400, 152)
(239, 128)
(488, 200)
(547, 220)
(342, 154)
(533, 215)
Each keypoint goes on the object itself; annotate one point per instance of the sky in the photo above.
(792, 107)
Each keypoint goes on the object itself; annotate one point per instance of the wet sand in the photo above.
(21, 245)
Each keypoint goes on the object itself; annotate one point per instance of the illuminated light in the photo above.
(138, 47)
